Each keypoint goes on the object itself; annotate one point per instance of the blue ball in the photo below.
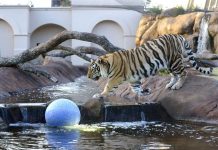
(62, 112)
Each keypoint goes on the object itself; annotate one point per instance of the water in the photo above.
(80, 91)
(112, 136)
(203, 39)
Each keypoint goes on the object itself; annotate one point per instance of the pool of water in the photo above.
(110, 135)
(116, 135)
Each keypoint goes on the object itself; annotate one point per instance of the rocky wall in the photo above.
(152, 26)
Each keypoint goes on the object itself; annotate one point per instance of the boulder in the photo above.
(198, 18)
(197, 100)
(151, 27)
(182, 24)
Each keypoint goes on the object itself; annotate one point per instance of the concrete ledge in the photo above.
(35, 113)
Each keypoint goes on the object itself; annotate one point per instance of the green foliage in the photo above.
(179, 10)
(155, 10)
(65, 3)
(163, 72)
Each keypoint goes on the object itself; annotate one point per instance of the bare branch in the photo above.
(34, 52)
(91, 50)
(70, 51)
(79, 51)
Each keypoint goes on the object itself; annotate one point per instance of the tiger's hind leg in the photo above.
(179, 75)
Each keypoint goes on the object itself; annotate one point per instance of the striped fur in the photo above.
(167, 51)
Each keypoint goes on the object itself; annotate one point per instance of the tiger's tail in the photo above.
(191, 59)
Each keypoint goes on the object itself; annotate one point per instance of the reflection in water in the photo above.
(62, 139)
(112, 135)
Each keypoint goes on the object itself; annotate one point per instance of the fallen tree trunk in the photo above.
(52, 43)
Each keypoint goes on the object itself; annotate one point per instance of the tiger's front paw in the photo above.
(176, 86)
(169, 85)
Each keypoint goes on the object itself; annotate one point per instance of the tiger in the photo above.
(168, 51)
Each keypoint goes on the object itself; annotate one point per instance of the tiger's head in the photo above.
(98, 68)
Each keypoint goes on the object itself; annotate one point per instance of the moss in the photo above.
(163, 72)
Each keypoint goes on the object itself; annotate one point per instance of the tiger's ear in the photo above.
(92, 60)
(102, 61)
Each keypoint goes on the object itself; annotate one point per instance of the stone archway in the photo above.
(6, 39)
(111, 30)
(44, 32)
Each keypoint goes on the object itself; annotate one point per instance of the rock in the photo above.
(213, 29)
(144, 24)
(114, 108)
(187, 25)
(13, 79)
(216, 44)
(182, 24)
(172, 12)
(196, 100)
(169, 22)
(150, 32)
(92, 110)
(198, 18)
(151, 27)
(213, 18)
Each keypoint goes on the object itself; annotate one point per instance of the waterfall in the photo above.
(203, 39)
(24, 113)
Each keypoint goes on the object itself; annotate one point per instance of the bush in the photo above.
(155, 10)
(173, 12)
(180, 10)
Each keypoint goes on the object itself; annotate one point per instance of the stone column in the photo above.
(21, 43)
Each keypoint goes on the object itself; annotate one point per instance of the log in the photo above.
(52, 43)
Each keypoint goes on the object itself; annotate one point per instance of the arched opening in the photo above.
(6, 39)
(45, 32)
(111, 30)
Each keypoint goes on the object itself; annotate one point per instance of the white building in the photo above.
(22, 27)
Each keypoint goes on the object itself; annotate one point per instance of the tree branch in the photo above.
(79, 51)
(34, 52)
